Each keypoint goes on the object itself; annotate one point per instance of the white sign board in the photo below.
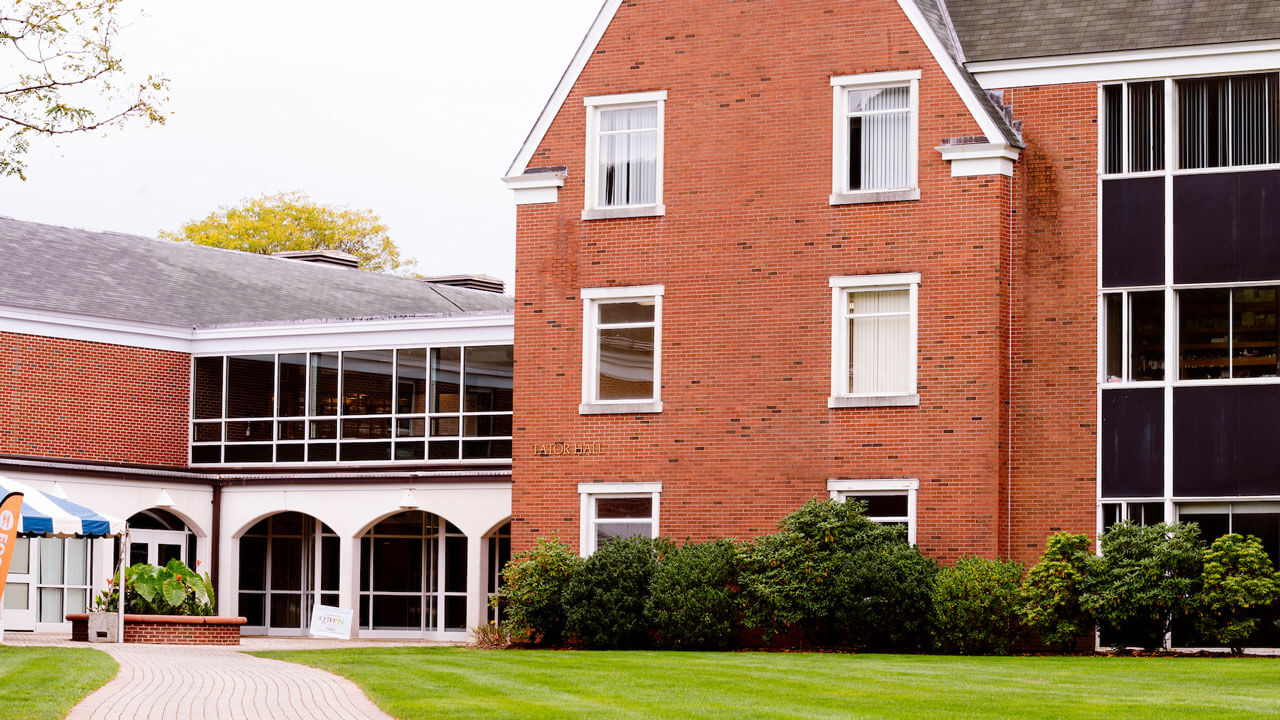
(331, 622)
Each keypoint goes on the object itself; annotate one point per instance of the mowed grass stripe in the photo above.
(39, 683)
(464, 683)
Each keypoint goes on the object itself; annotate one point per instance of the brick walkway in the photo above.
(191, 682)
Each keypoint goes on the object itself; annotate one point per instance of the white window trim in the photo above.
(841, 85)
(589, 492)
(591, 404)
(840, 286)
(594, 103)
(841, 489)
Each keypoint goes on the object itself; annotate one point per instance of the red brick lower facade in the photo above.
(168, 629)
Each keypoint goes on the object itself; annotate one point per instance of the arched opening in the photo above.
(288, 563)
(498, 549)
(157, 536)
(413, 575)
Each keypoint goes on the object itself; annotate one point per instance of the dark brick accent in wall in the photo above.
(1226, 227)
(1133, 232)
(1133, 443)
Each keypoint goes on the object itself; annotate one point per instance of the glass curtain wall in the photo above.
(363, 406)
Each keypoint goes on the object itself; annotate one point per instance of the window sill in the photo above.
(852, 401)
(874, 196)
(624, 212)
(620, 408)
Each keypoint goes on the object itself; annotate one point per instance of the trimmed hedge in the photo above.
(693, 599)
(840, 580)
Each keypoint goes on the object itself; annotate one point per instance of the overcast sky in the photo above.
(410, 108)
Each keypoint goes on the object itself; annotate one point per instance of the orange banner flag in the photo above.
(10, 517)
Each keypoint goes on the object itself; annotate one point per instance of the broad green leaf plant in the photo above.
(174, 589)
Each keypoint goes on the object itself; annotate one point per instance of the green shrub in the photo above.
(174, 589)
(839, 578)
(605, 599)
(1238, 583)
(693, 601)
(1146, 579)
(1051, 592)
(975, 606)
(533, 590)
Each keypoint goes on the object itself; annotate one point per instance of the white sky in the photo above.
(410, 108)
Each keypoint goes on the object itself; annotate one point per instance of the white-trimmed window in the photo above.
(624, 155)
(617, 510)
(875, 130)
(873, 332)
(889, 502)
(622, 350)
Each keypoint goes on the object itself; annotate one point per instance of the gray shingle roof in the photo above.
(1005, 29)
(935, 13)
(127, 277)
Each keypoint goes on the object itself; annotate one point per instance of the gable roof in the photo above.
(989, 116)
(160, 282)
(1008, 29)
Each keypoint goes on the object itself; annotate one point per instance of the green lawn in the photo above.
(465, 683)
(39, 682)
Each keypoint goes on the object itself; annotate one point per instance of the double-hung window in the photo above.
(875, 137)
(624, 155)
(873, 331)
(622, 350)
(887, 502)
(615, 511)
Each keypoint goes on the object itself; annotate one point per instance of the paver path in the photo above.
(191, 682)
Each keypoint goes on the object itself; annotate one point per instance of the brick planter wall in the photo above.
(168, 629)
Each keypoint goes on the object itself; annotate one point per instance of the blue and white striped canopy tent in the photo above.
(46, 515)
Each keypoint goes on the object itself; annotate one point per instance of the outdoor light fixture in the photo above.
(57, 490)
(408, 501)
(163, 499)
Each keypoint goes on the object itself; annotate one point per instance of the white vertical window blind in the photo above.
(879, 341)
(628, 156)
(1133, 127)
(879, 127)
(1229, 121)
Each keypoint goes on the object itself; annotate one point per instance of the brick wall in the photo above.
(745, 252)
(1054, 361)
(91, 401)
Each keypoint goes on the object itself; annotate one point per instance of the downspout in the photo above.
(215, 535)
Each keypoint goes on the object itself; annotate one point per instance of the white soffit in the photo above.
(489, 328)
(1128, 64)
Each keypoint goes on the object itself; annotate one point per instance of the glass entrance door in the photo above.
(288, 562)
(157, 547)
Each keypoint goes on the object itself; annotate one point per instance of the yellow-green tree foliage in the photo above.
(63, 75)
(293, 221)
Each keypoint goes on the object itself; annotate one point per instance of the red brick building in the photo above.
(771, 251)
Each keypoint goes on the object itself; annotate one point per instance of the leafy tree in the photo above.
(533, 590)
(1146, 579)
(65, 75)
(1051, 592)
(1239, 582)
(975, 606)
(293, 221)
(839, 578)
